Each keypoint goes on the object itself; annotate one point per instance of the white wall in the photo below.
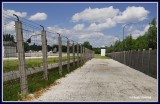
(9, 51)
(103, 52)
(3, 51)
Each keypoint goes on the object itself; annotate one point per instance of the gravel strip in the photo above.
(103, 80)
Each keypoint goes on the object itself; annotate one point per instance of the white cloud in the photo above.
(132, 14)
(87, 35)
(56, 29)
(95, 14)
(105, 25)
(11, 12)
(108, 17)
(101, 40)
(136, 32)
(97, 39)
(38, 16)
(78, 27)
(9, 26)
(146, 28)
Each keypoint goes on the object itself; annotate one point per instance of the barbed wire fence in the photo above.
(34, 57)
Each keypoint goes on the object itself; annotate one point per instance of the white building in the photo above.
(103, 52)
(9, 49)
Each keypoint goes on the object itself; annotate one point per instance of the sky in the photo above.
(99, 23)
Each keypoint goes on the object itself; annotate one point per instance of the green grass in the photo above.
(12, 65)
(11, 89)
(100, 57)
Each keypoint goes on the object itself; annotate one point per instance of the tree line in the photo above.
(35, 47)
(146, 41)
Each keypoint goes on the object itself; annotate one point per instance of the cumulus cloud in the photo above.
(109, 23)
(78, 27)
(105, 18)
(11, 12)
(95, 38)
(132, 14)
(38, 17)
(87, 35)
(146, 28)
(9, 27)
(56, 29)
(136, 32)
(95, 14)
(100, 40)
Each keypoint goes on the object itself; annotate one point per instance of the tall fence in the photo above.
(144, 61)
(31, 53)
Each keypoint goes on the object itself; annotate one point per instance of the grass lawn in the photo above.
(100, 57)
(36, 82)
(12, 65)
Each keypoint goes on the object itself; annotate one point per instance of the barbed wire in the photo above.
(30, 24)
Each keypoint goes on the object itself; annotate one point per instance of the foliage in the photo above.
(8, 37)
(97, 50)
(145, 41)
(87, 45)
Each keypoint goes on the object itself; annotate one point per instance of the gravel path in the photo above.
(103, 80)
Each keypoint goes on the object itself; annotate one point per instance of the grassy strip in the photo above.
(101, 57)
(12, 65)
(36, 82)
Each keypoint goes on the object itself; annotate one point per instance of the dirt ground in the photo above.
(103, 80)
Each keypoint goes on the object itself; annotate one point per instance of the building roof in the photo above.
(9, 43)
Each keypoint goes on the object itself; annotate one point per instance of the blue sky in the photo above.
(99, 23)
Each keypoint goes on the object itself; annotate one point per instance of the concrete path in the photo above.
(103, 80)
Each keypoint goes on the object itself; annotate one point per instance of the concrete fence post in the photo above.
(130, 58)
(90, 54)
(44, 52)
(73, 55)
(149, 57)
(138, 59)
(124, 58)
(84, 54)
(143, 57)
(87, 54)
(68, 56)
(77, 54)
(81, 54)
(60, 54)
(21, 58)
(93, 53)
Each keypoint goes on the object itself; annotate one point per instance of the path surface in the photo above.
(103, 80)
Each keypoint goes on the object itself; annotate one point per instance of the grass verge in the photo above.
(100, 57)
(36, 82)
(12, 65)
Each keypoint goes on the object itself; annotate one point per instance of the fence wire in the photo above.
(34, 58)
(10, 60)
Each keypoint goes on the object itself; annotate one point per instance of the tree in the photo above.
(26, 46)
(128, 43)
(8, 37)
(152, 35)
(97, 50)
(87, 45)
(145, 41)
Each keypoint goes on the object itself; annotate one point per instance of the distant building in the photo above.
(55, 50)
(103, 52)
(9, 49)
